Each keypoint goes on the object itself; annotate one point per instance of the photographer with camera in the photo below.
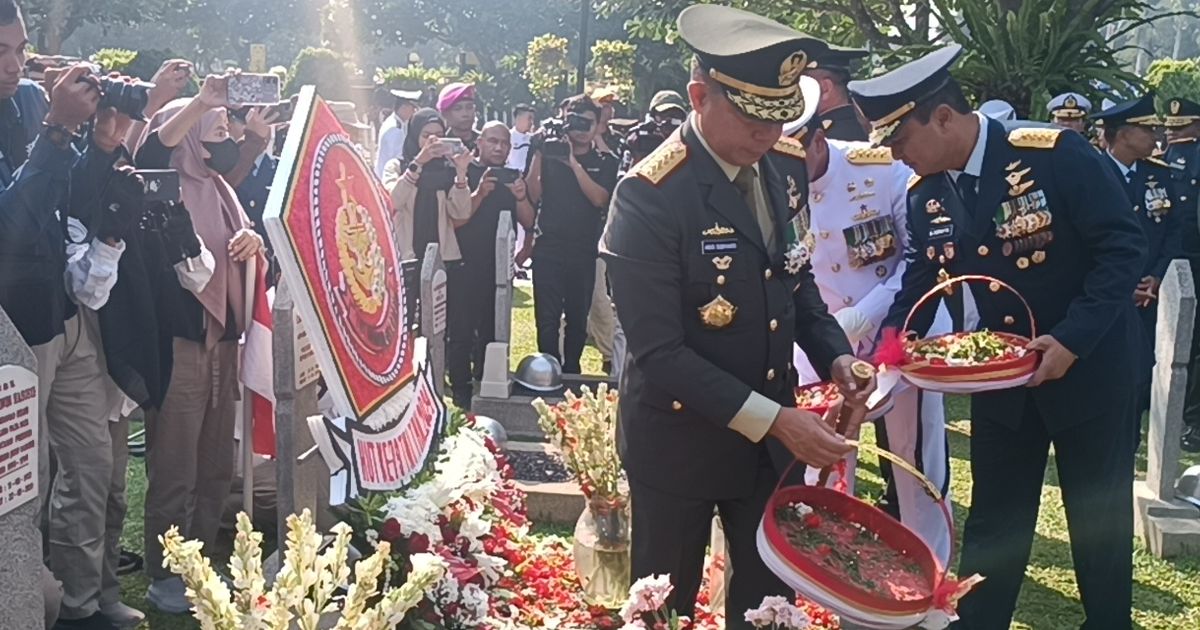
(189, 443)
(429, 188)
(667, 112)
(572, 182)
(472, 309)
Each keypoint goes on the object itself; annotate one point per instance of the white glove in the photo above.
(853, 323)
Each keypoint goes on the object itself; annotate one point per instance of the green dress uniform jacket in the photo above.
(710, 317)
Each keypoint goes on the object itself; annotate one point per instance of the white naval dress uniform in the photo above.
(858, 220)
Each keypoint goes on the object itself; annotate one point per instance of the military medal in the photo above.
(717, 313)
(793, 193)
(931, 251)
(933, 206)
(948, 250)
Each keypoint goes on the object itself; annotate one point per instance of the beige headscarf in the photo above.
(216, 214)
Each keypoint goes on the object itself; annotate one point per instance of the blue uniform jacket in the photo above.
(1052, 221)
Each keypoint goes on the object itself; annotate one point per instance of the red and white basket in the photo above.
(814, 581)
(833, 398)
(969, 379)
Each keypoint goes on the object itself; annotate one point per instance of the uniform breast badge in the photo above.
(933, 206)
(718, 230)
(800, 244)
(864, 214)
(793, 193)
(718, 313)
(722, 263)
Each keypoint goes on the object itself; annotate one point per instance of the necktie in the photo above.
(967, 190)
(746, 182)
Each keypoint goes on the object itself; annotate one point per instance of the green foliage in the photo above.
(321, 67)
(410, 78)
(53, 21)
(612, 66)
(546, 65)
(114, 59)
(1042, 48)
(1171, 78)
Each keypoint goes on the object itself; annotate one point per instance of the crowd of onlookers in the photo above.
(127, 219)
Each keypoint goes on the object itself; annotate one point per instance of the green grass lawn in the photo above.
(1166, 593)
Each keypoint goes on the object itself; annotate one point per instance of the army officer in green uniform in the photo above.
(712, 286)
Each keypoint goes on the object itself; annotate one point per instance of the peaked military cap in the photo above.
(756, 61)
(808, 122)
(1138, 111)
(997, 109)
(887, 99)
(1069, 105)
(1181, 112)
(835, 58)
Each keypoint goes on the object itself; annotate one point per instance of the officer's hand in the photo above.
(1146, 291)
(855, 378)
(1056, 360)
(809, 437)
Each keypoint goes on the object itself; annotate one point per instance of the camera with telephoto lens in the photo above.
(647, 136)
(555, 144)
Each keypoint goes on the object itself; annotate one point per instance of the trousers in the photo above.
(671, 534)
(1095, 470)
(114, 513)
(563, 287)
(602, 316)
(73, 380)
(471, 325)
(190, 448)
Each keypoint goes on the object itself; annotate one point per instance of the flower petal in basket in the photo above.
(973, 377)
(808, 574)
(818, 397)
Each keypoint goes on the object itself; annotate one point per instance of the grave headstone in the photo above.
(22, 605)
(1169, 526)
(302, 483)
(433, 312)
(496, 382)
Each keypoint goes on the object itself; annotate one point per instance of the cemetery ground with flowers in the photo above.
(1166, 593)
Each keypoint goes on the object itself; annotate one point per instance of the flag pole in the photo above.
(248, 400)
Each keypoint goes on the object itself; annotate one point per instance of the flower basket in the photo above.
(931, 365)
(855, 560)
(819, 398)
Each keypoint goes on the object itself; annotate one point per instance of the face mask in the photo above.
(224, 155)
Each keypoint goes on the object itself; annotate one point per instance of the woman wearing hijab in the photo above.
(189, 445)
(429, 189)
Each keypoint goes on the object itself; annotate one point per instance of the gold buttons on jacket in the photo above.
(721, 280)
(677, 406)
(767, 274)
(983, 250)
(1009, 320)
(847, 300)
(1022, 263)
(774, 325)
(994, 287)
(836, 267)
(771, 374)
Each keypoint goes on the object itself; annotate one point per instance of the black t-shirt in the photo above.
(477, 238)
(568, 224)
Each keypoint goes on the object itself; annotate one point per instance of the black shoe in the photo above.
(1190, 440)
(96, 622)
(129, 563)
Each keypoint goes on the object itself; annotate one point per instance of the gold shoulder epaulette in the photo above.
(789, 146)
(1034, 137)
(913, 180)
(869, 155)
(1157, 162)
(666, 158)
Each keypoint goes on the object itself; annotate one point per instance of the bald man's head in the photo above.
(495, 143)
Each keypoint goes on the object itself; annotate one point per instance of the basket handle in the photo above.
(899, 462)
(945, 284)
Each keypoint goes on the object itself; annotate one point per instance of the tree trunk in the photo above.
(54, 27)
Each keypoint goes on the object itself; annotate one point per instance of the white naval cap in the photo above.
(810, 89)
(1069, 105)
(998, 110)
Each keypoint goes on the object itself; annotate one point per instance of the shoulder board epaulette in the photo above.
(1157, 162)
(913, 180)
(1034, 137)
(666, 158)
(869, 155)
(789, 146)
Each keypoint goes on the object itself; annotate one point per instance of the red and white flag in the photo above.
(258, 367)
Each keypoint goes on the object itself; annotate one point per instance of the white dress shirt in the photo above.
(392, 133)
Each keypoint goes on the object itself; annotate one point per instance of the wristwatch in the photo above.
(414, 168)
(58, 134)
